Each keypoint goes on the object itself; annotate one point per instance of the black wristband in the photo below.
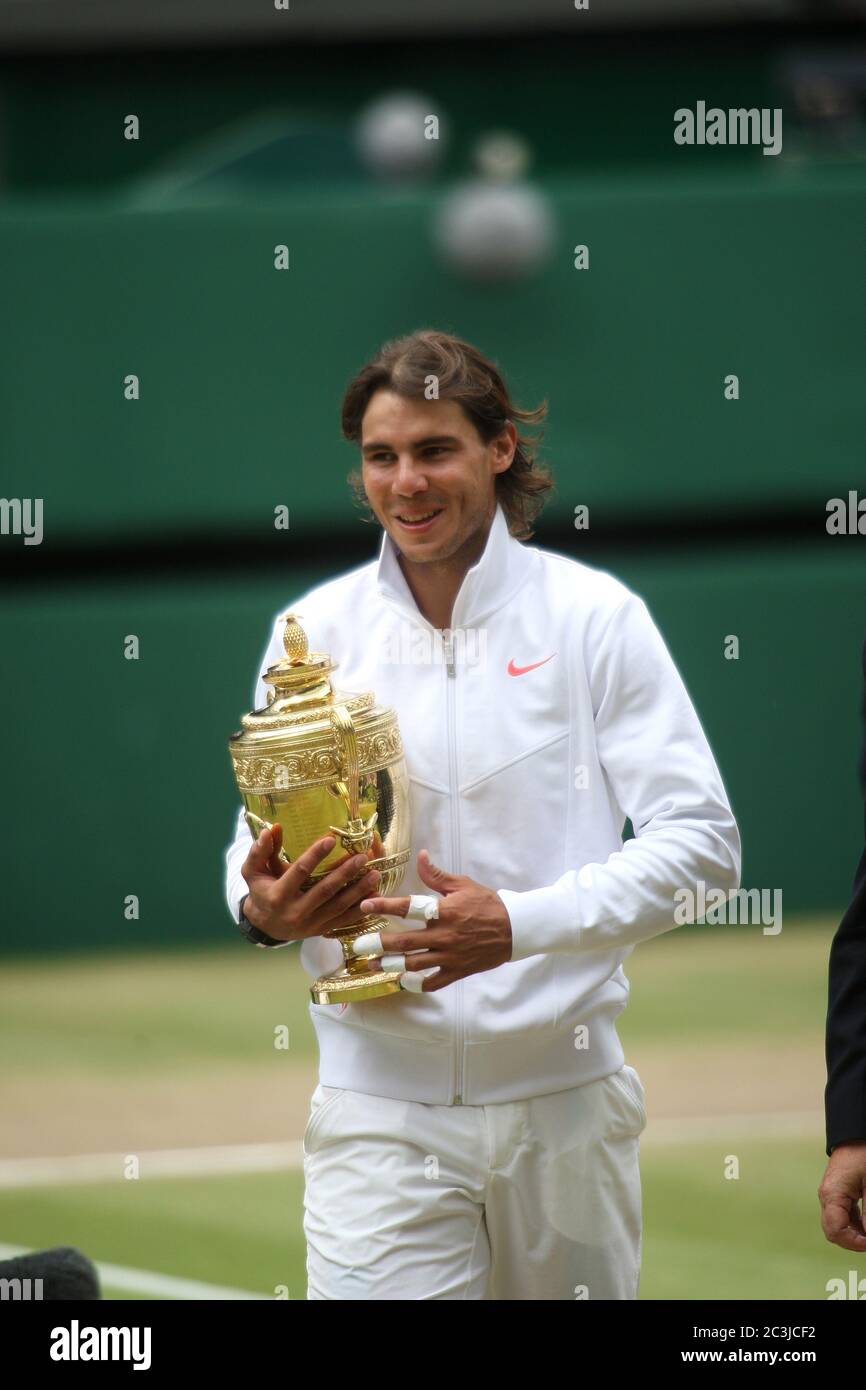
(258, 938)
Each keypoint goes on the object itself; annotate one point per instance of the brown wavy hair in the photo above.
(464, 375)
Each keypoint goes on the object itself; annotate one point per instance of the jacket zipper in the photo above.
(450, 678)
(450, 700)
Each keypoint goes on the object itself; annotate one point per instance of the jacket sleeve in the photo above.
(662, 774)
(845, 1037)
(237, 851)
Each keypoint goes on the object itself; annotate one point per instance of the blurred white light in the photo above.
(495, 231)
(393, 135)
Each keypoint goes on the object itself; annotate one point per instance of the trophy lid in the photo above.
(309, 732)
(301, 690)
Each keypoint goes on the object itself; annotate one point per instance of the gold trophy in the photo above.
(317, 760)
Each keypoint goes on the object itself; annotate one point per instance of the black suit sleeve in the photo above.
(845, 1094)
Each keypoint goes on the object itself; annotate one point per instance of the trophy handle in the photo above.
(358, 834)
(256, 825)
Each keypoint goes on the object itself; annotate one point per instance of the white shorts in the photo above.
(528, 1199)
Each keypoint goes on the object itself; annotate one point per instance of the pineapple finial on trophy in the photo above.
(294, 638)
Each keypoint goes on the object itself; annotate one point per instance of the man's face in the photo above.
(422, 457)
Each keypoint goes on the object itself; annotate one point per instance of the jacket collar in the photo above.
(497, 573)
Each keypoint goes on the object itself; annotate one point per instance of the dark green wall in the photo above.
(242, 367)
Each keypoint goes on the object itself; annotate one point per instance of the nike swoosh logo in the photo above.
(521, 670)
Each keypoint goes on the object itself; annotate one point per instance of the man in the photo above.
(842, 1193)
(475, 1136)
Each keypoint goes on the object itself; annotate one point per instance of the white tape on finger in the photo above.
(413, 980)
(393, 962)
(370, 944)
(423, 906)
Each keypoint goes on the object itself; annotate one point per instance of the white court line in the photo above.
(781, 1124)
(152, 1163)
(281, 1157)
(144, 1281)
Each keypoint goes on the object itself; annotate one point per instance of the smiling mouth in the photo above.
(416, 523)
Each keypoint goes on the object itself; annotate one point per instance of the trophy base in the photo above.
(351, 986)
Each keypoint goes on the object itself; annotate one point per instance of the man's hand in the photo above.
(472, 933)
(282, 902)
(842, 1187)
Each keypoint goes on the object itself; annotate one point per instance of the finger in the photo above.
(342, 882)
(347, 900)
(330, 925)
(448, 972)
(277, 865)
(423, 938)
(415, 960)
(370, 944)
(256, 863)
(846, 1236)
(301, 869)
(382, 944)
(415, 980)
(838, 1226)
(434, 876)
(443, 977)
(856, 1231)
(389, 907)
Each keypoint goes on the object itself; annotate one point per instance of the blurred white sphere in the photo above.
(502, 155)
(495, 231)
(393, 135)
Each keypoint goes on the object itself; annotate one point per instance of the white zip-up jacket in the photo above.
(553, 713)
